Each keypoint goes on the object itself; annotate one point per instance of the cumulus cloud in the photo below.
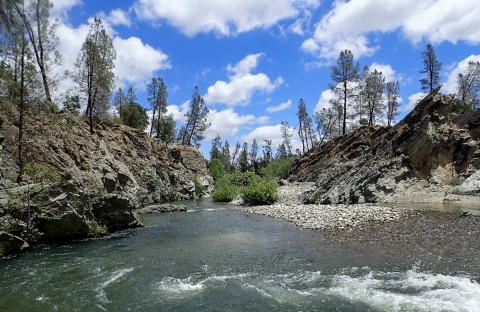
(222, 17)
(281, 107)
(137, 62)
(270, 133)
(116, 17)
(324, 100)
(413, 101)
(229, 123)
(178, 111)
(387, 71)
(242, 83)
(450, 86)
(348, 24)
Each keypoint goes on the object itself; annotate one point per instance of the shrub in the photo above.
(278, 168)
(216, 169)
(260, 192)
(455, 182)
(198, 186)
(224, 191)
(459, 106)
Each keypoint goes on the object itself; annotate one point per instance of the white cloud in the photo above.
(242, 83)
(450, 86)
(347, 25)
(223, 17)
(116, 17)
(61, 7)
(229, 123)
(178, 111)
(413, 101)
(265, 133)
(387, 71)
(324, 100)
(270, 133)
(281, 107)
(131, 67)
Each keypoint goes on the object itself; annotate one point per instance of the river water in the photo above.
(218, 258)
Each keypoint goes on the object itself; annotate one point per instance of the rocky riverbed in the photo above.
(430, 231)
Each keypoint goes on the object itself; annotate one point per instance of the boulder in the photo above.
(11, 244)
(471, 185)
(116, 212)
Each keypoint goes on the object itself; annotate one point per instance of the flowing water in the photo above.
(217, 258)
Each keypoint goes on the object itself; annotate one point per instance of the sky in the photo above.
(253, 60)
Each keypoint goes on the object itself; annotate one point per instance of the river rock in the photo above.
(11, 244)
(471, 185)
(162, 208)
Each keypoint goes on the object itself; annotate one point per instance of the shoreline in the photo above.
(425, 229)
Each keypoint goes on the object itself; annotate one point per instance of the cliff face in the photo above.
(430, 149)
(102, 178)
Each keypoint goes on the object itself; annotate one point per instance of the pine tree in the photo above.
(157, 97)
(287, 137)
(468, 85)
(40, 34)
(392, 90)
(372, 93)
(431, 70)
(344, 74)
(119, 101)
(243, 158)
(196, 121)
(305, 127)
(94, 70)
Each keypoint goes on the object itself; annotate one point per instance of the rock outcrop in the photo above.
(431, 149)
(94, 182)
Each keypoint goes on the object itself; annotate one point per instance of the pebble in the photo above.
(323, 217)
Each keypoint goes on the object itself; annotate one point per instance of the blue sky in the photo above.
(254, 59)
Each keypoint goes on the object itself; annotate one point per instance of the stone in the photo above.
(471, 185)
(161, 208)
(11, 244)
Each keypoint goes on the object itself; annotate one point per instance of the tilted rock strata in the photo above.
(104, 178)
(431, 147)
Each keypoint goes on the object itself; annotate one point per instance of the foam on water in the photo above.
(101, 295)
(397, 291)
(411, 290)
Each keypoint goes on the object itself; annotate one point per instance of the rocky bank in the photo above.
(85, 185)
(432, 155)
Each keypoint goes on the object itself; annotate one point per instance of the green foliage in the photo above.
(260, 192)
(224, 191)
(216, 169)
(134, 115)
(400, 151)
(97, 229)
(363, 122)
(98, 199)
(278, 168)
(241, 179)
(455, 182)
(198, 186)
(71, 104)
(41, 174)
(459, 106)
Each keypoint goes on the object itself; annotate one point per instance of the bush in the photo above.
(455, 182)
(224, 191)
(198, 186)
(260, 192)
(216, 169)
(278, 168)
(459, 106)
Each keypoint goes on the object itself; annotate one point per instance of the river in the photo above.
(218, 258)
